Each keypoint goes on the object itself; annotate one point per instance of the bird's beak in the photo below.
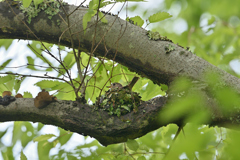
(109, 87)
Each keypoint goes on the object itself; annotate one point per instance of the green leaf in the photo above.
(102, 17)
(27, 95)
(2, 133)
(211, 20)
(64, 136)
(37, 49)
(48, 84)
(17, 86)
(17, 132)
(5, 79)
(9, 84)
(126, 108)
(160, 16)
(5, 64)
(37, 2)
(66, 92)
(20, 132)
(8, 154)
(132, 144)
(31, 63)
(44, 149)
(141, 158)
(151, 91)
(40, 126)
(137, 20)
(43, 137)
(3, 88)
(29, 134)
(26, 3)
(87, 18)
(164, 87)
(68, 61)
(23, 157)
(18, 83)
(5, 43)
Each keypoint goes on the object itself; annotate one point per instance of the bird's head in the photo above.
(115, 85)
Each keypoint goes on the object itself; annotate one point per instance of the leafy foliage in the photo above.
(211, 33)
(94, 6)
(5, 43)
(32, 8)
(137, 20)
(10, 83)
(160, 16)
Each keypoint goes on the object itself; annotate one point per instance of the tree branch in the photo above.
(134, 49)
(83, 119)
(148, 58)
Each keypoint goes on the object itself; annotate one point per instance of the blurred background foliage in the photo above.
(211, 30)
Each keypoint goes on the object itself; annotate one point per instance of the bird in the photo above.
(119, 85)
(115, 85)
(120, 99)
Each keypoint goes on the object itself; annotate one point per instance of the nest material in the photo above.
(119, 101)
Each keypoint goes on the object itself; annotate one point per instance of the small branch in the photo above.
(35, 76)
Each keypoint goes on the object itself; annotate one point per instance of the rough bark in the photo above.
(86, 120)
(122, 42)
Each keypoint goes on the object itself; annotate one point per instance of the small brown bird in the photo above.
(119, 86)
(115, 85)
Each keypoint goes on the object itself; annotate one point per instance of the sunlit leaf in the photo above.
(68, 62)
(64, 136)
(48, 84)
(137, 20)
(23, 157)
(2, 133)
(31, 63)
(36, 2)
(5, 43)
(18, 83)
(4, 64)
(160, 16)
(43, 149)
(211, 20)
(5, 79)
(102, 17)
(132, 144)
(141, 158)
(87, 18)
(26, 3)
(27, 95)
(43, 137)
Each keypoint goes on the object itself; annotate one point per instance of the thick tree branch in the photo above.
(129, 42)
(124, 43)
(107, 129)
(85, 120)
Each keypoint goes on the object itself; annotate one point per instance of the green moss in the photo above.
(181, 52)
(119, 101)
(51, 8)
(169, 48)
(157, 37)
(153, 35)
